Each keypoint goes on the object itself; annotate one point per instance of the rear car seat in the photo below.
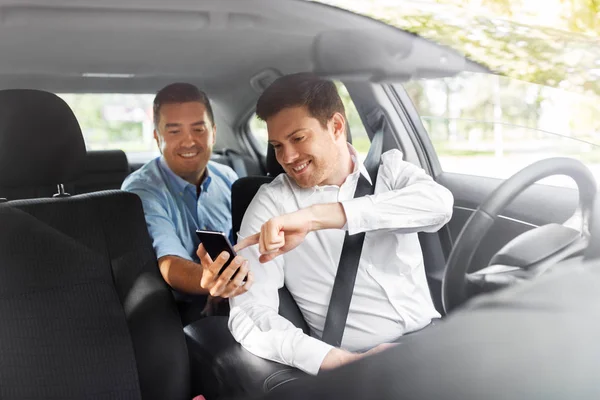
(103, 170)
(243, 164)
(85, 312)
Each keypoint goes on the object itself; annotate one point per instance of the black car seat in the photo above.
(242, 164)
(85, 312)
(102, 170)
(242, 193)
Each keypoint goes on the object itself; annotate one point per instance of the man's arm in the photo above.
(254, 320)
(410, 202)
(181, 274)
(174, 261)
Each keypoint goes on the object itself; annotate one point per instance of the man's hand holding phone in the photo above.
(221, 283)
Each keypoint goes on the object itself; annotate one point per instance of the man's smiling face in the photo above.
(307, 150)
(185, 136)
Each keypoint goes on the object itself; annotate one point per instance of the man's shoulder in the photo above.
(148, 177)
(224, 171)
(394, 165)
(392, 156)
(279, 188)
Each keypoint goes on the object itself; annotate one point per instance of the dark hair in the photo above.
(319, 96)
(180, 93)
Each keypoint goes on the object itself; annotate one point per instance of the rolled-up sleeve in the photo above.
(161, 228)
(407, 201)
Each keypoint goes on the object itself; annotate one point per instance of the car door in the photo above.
(505, 144)
(470, 178)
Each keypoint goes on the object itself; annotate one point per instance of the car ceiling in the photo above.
(219, 45)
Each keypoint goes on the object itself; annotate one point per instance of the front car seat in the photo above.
(85, 312)
(225, 367)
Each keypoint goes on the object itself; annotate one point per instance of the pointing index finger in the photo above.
(246, 242)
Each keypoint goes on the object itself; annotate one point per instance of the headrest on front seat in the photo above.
(273, 166)
(40, 139)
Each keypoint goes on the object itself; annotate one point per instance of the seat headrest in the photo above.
(40, 139)
(273, 167)
(102, 161)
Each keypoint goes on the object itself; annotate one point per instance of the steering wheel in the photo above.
(529, 254)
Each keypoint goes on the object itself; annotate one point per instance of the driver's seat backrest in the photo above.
(85, 311)
(242, 193)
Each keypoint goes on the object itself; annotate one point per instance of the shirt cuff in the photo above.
(309, 354)
(353, 209)
(167, 247)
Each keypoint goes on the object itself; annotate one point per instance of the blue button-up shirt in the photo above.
(174, 210)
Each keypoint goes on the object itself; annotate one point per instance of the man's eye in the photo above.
(277, 146)
(199, 130)
(173, 132)
(298, 139)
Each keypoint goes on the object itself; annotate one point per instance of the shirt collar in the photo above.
(180, 183)
(358, 169)
(359, 166)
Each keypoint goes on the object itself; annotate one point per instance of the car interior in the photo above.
(86, 313)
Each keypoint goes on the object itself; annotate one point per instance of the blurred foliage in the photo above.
(539, 54)
(100, 132)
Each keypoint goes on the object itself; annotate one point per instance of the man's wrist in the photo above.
(336, 358)
(326, 216)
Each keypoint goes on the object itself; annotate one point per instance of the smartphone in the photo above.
(215, 243)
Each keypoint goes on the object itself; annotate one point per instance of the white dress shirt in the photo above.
(391, 296)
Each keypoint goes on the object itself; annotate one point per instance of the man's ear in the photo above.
(339, 125)
(157, 139)
(214, 129)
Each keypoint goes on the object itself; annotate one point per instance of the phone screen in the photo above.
(215, 243)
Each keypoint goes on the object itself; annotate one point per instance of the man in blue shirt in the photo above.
(183, 191)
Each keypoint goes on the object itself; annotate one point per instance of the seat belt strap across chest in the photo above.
(343, 286)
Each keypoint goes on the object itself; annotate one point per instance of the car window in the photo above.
(116, 121)
(490, 125)
(360, 139)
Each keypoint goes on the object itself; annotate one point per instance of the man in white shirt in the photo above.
(300, 220)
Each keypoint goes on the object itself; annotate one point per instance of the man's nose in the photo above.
(289, 154)
(188, 138)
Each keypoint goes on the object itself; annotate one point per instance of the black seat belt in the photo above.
(343, 286)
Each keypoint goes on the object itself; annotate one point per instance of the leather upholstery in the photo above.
(225, 367)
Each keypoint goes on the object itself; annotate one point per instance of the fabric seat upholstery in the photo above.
(104, 170)
(85, 312)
